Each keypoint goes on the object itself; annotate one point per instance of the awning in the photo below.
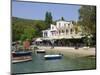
(38, 40)
(63, 37)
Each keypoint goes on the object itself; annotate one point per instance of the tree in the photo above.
(48, 19)
(26, 29)
(62, 18)
(88, 19)
(29, 33)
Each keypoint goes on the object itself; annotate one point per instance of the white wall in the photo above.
(54, 27)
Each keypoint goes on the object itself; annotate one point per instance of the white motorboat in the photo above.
(40, 51)
(53, 56)
(21, 59)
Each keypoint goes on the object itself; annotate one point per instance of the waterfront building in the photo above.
(62, 29)
(63, 33)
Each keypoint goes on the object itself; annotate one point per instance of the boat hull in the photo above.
(21, 59)
(40, 51)
(48, 57)
(21, 56)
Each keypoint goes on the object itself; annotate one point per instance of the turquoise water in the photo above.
(39, 64)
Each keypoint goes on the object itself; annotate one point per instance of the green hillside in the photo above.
(26, 29)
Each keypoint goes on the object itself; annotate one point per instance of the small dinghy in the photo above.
(21, 56)
(55, 56)
(21, 53)
(40, 51)
(21, 59)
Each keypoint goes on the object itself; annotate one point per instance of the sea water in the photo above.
(39, 64)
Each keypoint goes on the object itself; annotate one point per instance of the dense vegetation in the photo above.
(48, 19)
(87, 20)
(27, 29)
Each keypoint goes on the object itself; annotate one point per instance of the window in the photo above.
(59, 31)
(71, 30)
(65, 25)
(52, 27)
(68, 24)
(59, 25)
(52, 33)
(66, 31)
(45, 34)
(62, 31)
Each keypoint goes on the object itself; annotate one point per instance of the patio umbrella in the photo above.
(38, 40)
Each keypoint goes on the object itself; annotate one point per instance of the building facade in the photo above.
(62, 29)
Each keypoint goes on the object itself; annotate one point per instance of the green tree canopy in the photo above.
(62, 18)
(26, 29)
(48, 19)
(88, 19)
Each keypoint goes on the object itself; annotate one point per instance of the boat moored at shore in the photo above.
(41, 51)
(21, 56)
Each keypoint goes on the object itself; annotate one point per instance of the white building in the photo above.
(62, 29)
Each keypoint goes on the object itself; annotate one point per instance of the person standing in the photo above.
(26, 44)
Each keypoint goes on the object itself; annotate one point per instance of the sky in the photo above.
(36, 11)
